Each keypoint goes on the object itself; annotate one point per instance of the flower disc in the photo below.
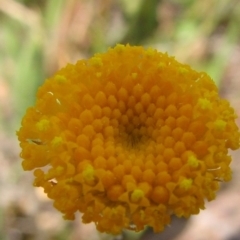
(128, 138)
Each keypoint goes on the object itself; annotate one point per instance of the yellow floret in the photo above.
(56, 141)
(193, 161)
(96, 61)
(186, 183)
(204, 103)
(43, 125)
(60, 78)
(220, 124)
(137, 195)
(88, 174)
(182, 70)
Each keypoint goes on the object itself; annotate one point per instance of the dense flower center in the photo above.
(129, 138)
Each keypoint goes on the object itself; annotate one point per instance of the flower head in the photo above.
(128, 138)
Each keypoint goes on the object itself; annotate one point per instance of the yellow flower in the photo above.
(128, 138)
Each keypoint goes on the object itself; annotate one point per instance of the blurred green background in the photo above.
(37, 37)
